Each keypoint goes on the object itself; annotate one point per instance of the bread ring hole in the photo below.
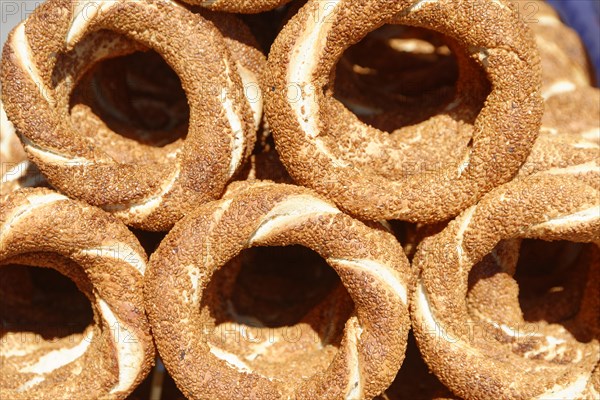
(551, 278)
(41, 310)
(137, 96)
(396, 76)
(280, 310)
(536, 289)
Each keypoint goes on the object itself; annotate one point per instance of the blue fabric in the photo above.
(584, 17)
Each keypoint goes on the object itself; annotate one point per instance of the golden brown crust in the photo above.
(569, 137)
(250, 60)
(45, 229)
(239, 6)
(299, 107)
(511, 357)
(369, 261)
(152, 192)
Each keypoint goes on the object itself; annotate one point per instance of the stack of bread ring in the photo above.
(315, 199)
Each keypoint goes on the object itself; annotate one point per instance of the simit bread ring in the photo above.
(320, 142)
(147, 188)
(45, 229)
(399, 76)
(369, 262)
(507, 356)
(15, 169)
